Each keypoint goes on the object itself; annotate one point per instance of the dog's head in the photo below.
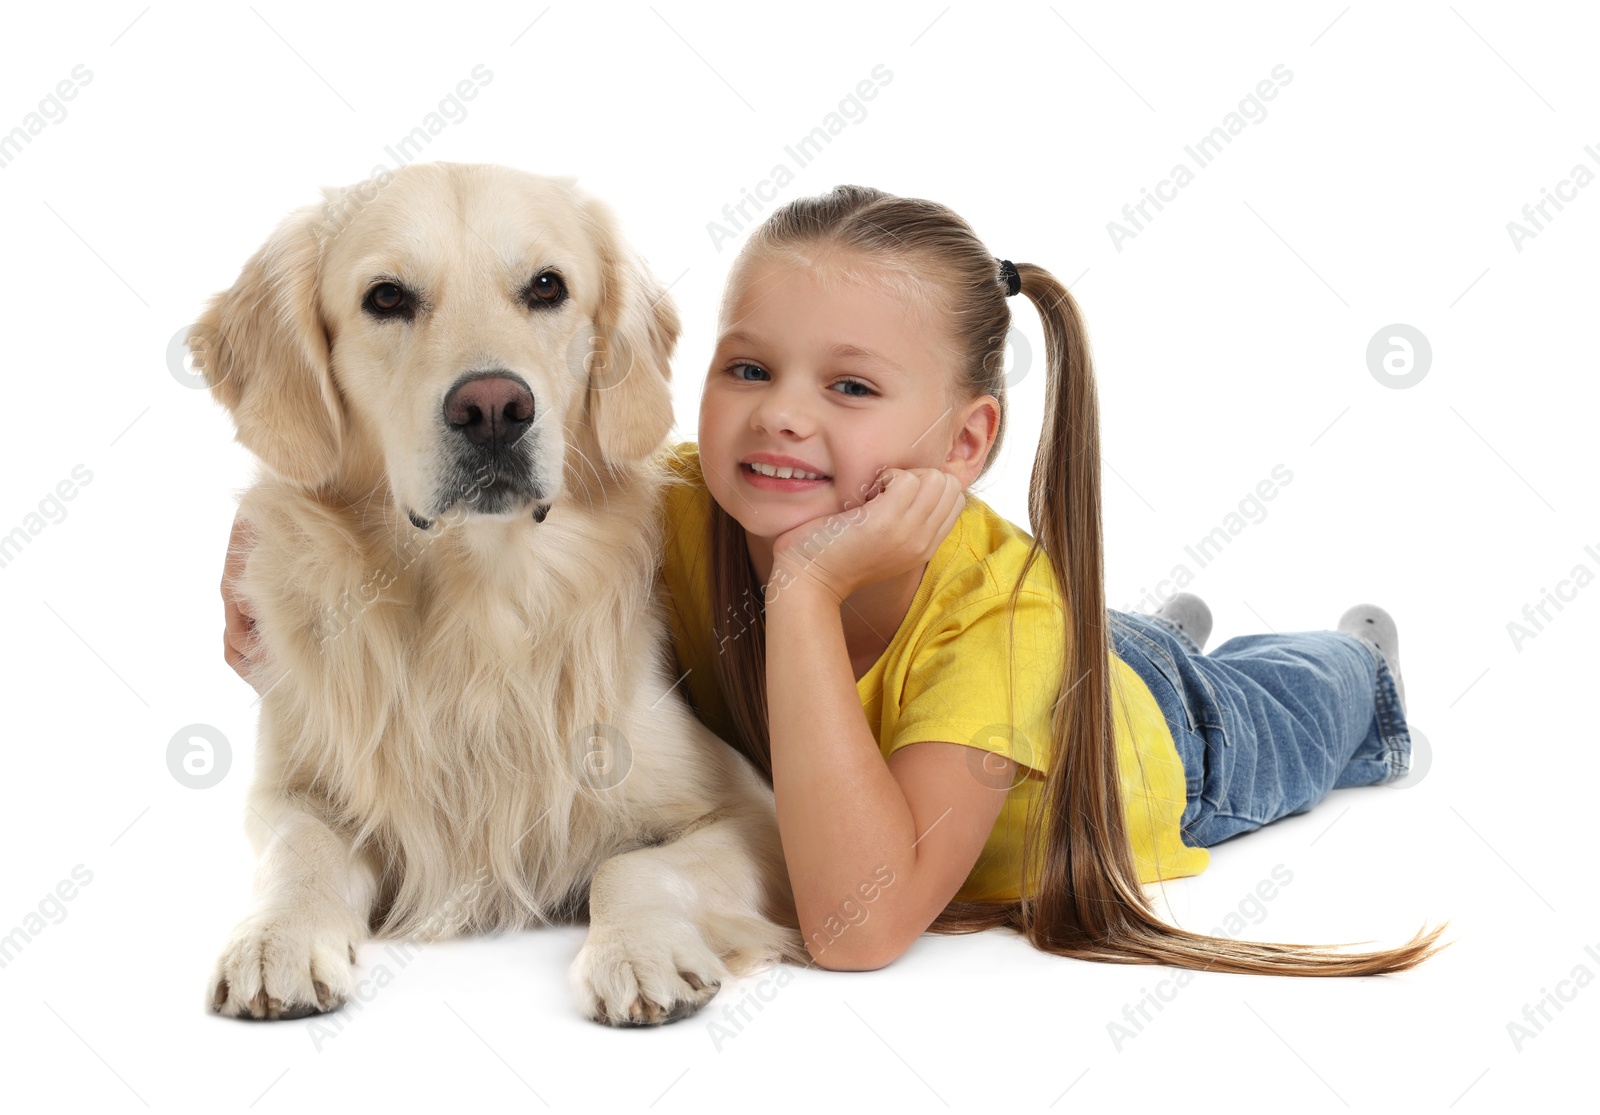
(452, 329)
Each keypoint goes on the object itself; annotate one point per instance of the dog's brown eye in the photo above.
(546, 289)
(390, 300)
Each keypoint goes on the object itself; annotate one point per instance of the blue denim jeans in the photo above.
(1266, 725)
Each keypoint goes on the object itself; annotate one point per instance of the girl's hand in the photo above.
(238, 635)
(905, 518)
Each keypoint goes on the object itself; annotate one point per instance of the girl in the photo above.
(954, 740)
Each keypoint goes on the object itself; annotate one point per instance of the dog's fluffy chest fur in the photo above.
(424, 713)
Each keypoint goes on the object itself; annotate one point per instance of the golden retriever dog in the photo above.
(456, 377)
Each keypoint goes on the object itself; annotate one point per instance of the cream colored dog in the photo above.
(456, 377)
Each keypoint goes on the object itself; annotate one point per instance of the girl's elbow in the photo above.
(859, 953)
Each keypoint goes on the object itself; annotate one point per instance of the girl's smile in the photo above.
(778, 472)
(778, 483)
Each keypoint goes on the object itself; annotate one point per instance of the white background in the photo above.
(1230, 335)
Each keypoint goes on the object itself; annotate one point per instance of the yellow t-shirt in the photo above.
(942, 678)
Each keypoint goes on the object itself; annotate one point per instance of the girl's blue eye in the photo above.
(866, 392)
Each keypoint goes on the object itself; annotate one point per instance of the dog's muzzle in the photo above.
(490, 462)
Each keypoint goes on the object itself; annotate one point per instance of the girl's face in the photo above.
(841, 380)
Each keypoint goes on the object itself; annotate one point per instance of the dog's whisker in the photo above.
(599, 480)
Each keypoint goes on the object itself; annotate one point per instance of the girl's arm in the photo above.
(874, 850)
(238, 635)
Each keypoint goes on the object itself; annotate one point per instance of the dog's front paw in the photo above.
(645, 975)
(280, 966)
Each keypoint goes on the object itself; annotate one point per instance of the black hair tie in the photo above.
(1008, 271)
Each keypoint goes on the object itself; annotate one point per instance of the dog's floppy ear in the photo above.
(263, 349)
(630, 400)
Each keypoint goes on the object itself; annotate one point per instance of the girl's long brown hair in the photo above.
(1089, 902)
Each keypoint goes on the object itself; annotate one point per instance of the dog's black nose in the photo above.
(489, 409)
